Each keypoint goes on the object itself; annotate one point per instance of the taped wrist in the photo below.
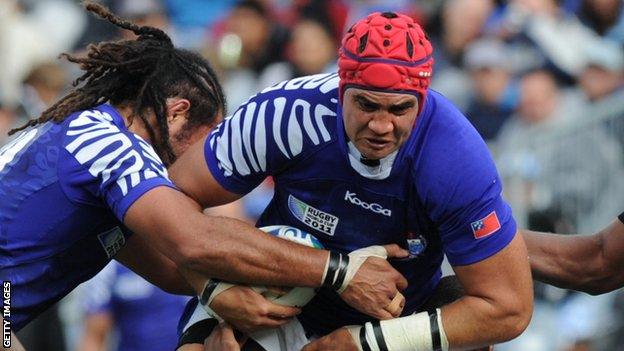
(212, 288)
(418, 332)
(335, 270)
(340, 268)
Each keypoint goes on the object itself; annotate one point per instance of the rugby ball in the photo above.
(298, 296)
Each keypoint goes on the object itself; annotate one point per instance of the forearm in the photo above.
(235, 251)
(498, 300)
(472, 322)
(567, 261)
(221, 247)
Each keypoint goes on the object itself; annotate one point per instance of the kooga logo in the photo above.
(351, 197)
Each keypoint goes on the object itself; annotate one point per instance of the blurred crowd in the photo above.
(541, 80)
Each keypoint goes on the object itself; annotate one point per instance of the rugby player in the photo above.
(370, 156)
(590, 263)
(91, 170)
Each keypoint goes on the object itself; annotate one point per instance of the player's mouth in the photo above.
(377, 144)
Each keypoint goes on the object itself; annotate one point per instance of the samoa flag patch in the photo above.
(485, 226)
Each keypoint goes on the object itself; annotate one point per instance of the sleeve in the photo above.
(269, 133)
(112, 164)
(98, 291)
(464, 195)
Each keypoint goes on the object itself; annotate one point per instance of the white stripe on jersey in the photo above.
(9, 151)
(224, 147)
(279, 104)
(319, 112)
(260, 137)
(307, 121)
(247, 120)
(237, 145)
(295, 137)
(241, 146)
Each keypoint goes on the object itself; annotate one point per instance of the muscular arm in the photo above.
(218, 246)
(497, 306)
(498, 303)
(153, 266)
(590, 263)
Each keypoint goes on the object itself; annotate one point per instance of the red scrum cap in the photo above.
(386, 52)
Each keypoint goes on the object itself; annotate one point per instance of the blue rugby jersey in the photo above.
(64, 191)
(441, 196)
(144, 316)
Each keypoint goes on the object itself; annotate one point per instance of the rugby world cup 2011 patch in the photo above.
(312, 217)
(112, 241)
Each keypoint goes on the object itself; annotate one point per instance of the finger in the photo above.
(396, 251)
(401, 282)
(396, 305)
(278, 290)
(281, 312)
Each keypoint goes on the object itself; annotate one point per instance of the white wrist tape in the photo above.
(340, 269)
(418, 332)
(212, 288)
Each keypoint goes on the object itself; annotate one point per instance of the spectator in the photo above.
(312, 50)
(604, 73)
(249, 42)
(565, 171)
(462, 23)
(495, 92)
(605, 17)
(41, 88)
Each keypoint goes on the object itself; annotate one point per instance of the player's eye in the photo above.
(399, 111)
(367, 106)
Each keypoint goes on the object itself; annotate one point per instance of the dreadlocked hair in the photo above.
(141, 73)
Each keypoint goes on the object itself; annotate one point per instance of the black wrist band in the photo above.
(363, 341)
(208, 290)
(342, 272)
(334, 262)
(381, 341)
(436, 338)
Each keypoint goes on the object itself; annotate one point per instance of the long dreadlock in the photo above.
(142, 73)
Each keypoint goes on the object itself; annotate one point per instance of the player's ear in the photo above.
(177, 108)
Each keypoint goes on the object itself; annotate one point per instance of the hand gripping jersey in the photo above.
(64, 191)
(439, 194)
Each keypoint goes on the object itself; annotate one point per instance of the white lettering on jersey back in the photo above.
(375, 207)
(93, 124)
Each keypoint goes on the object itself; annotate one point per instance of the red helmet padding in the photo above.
(386, 62)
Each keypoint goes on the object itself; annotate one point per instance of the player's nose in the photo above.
(380, 125)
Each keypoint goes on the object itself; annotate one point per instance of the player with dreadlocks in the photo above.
(91, 170)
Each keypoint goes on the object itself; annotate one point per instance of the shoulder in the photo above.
(449, 152)
(280, 123)
(99, 139)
